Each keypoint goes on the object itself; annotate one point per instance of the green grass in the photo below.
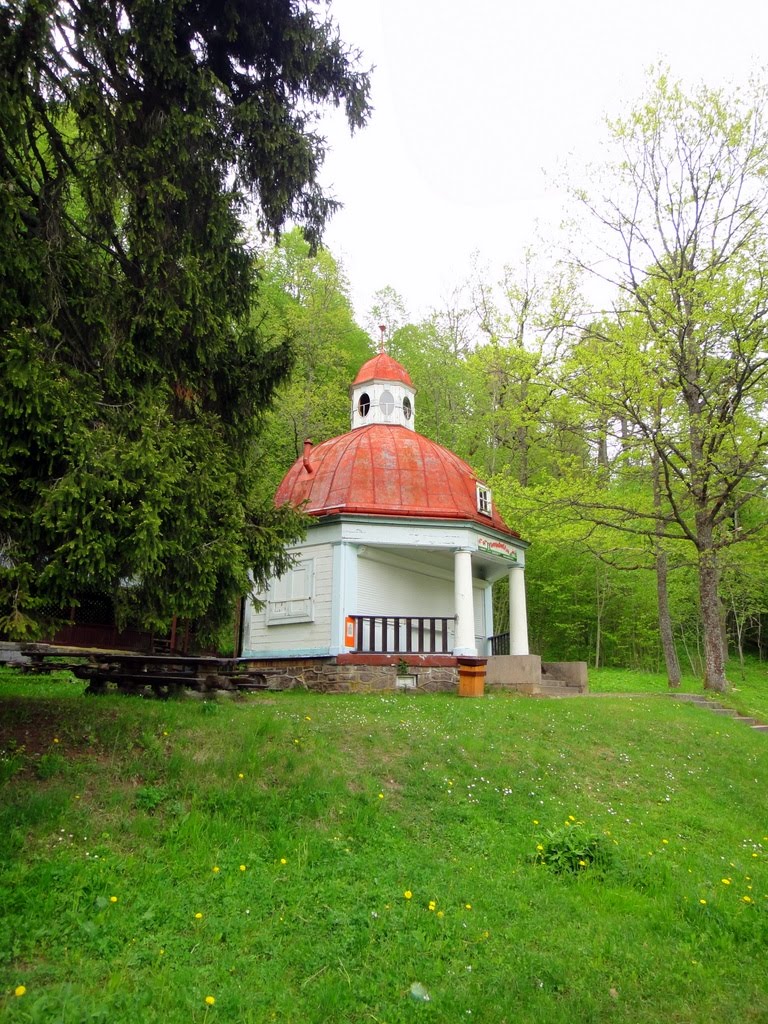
(748, 692)
(336, 807)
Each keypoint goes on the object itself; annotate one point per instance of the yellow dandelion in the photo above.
(407, 894)
(215, 869)
(209, 1001)
(441, 913)
(55, 739)
(725, 881)
(307, 718)
(747, 899)
(665, 841)
(242, 867)
(113, 899)
(535, 821)
(240, 775)
(165, 732)
(582, 863)
(19, 991)
(381, 796)
(539, 847)
(432, 905)
(571, 818)
(467, 906)
(703, 903)
(295, 741)
(283, 860)
(198, 916)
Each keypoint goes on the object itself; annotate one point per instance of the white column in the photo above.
(518, 616)
(464, 639)
(343, 593)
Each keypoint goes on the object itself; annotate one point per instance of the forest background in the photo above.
(628, 446)
(161, 368)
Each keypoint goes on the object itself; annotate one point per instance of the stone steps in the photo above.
(550, 687)
(716, 708)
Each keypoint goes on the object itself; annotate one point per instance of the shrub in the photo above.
(572, 847)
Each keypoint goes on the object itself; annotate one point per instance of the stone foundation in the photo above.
(432, 674)
(325, 675)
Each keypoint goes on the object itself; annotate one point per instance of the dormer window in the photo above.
(484, 500)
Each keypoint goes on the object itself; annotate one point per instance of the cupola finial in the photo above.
(383, 329)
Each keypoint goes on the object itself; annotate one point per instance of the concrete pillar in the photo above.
(518, 615)
(464, 639)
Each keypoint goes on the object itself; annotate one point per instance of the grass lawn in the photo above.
(305, 858)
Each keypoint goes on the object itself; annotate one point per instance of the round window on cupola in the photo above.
(387, 403)
(364, 404)
(407, 408)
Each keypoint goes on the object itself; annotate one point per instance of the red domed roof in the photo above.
(382, 367)
(385, 470)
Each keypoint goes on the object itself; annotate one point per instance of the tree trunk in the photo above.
(714, 660)
(671, 659)
(599, 606)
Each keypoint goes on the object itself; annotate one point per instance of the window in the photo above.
(407, 410)
(291, 597)
(364, 404)
(387, 403)
(484, 500)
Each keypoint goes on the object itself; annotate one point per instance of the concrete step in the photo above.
(555, 688)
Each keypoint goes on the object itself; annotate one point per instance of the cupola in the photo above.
(383, 392)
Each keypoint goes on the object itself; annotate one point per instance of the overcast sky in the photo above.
(479, 109)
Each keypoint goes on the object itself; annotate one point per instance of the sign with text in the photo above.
(497, 547)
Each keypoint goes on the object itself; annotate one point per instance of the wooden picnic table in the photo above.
(131, 672)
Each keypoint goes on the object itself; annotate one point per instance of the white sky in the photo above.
(479, 105)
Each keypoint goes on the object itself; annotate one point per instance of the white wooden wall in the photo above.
(297, 636)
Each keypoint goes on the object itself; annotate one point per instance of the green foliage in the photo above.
(134, 377)
(305, 298)
(682, 365)
(149, 798)
(572, 847)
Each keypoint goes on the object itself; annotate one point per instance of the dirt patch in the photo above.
(39, 726)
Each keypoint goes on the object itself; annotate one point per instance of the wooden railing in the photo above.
(402, 634)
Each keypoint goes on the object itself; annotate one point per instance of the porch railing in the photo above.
(402, 634)
(500, 643)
